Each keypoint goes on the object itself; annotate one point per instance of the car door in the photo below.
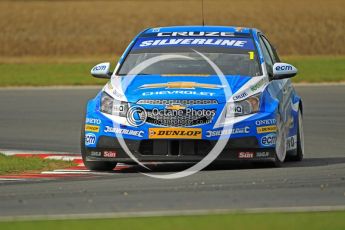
(279, 89)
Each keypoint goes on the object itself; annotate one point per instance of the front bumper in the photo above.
(252, 137)
(109, 149)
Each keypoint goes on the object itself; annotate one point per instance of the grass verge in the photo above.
(47, 74)
(77, 72)
(318, 68)
(14, 165)
(257, 221)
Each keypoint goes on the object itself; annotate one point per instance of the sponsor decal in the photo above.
(266, 129)
(137, 133)
(178, 92)
(195, 34)
(95, 154)
(284, 68)
(92, 128)
(181, 85)
(266, 122)
(257, 85)
(245, 155)
(269, 139)
(180, 133)
(240, 96)
(213, 133)
(193, 41)
(90, 139)
(243, 43)
(262, 154)
(238, 109)
(93, 121)
(291, 143)
(110, 154)
(99, 67)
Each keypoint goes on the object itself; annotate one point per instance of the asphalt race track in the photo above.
(49, 119)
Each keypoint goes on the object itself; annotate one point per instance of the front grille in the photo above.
(178, 102)
(180, 118)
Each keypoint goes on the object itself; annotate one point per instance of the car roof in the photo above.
(232, 29)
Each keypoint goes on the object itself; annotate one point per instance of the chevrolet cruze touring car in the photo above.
(167, 100)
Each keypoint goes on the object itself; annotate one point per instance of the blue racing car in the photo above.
(177, 92)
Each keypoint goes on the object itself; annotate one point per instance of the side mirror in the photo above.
(101, 70)
(283, 70)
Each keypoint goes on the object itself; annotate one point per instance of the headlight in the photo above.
(247, 106)
(113, 107)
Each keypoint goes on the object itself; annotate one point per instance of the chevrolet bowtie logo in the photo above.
(181, 85)
(175, 107)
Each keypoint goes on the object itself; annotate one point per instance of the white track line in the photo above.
(76, 172)
(10, 152)
(174, 213)
(12, 179)
(64, 158)
(69, 170)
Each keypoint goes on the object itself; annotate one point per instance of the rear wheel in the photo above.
(93, 165)
(300, 140)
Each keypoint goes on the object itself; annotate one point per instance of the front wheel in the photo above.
(97, 165)
(280, 150)
(93, 165)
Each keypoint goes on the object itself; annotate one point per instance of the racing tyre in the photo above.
(93, 165)
(300, 140)
(280, 152)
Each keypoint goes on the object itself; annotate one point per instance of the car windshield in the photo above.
(185, 56)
